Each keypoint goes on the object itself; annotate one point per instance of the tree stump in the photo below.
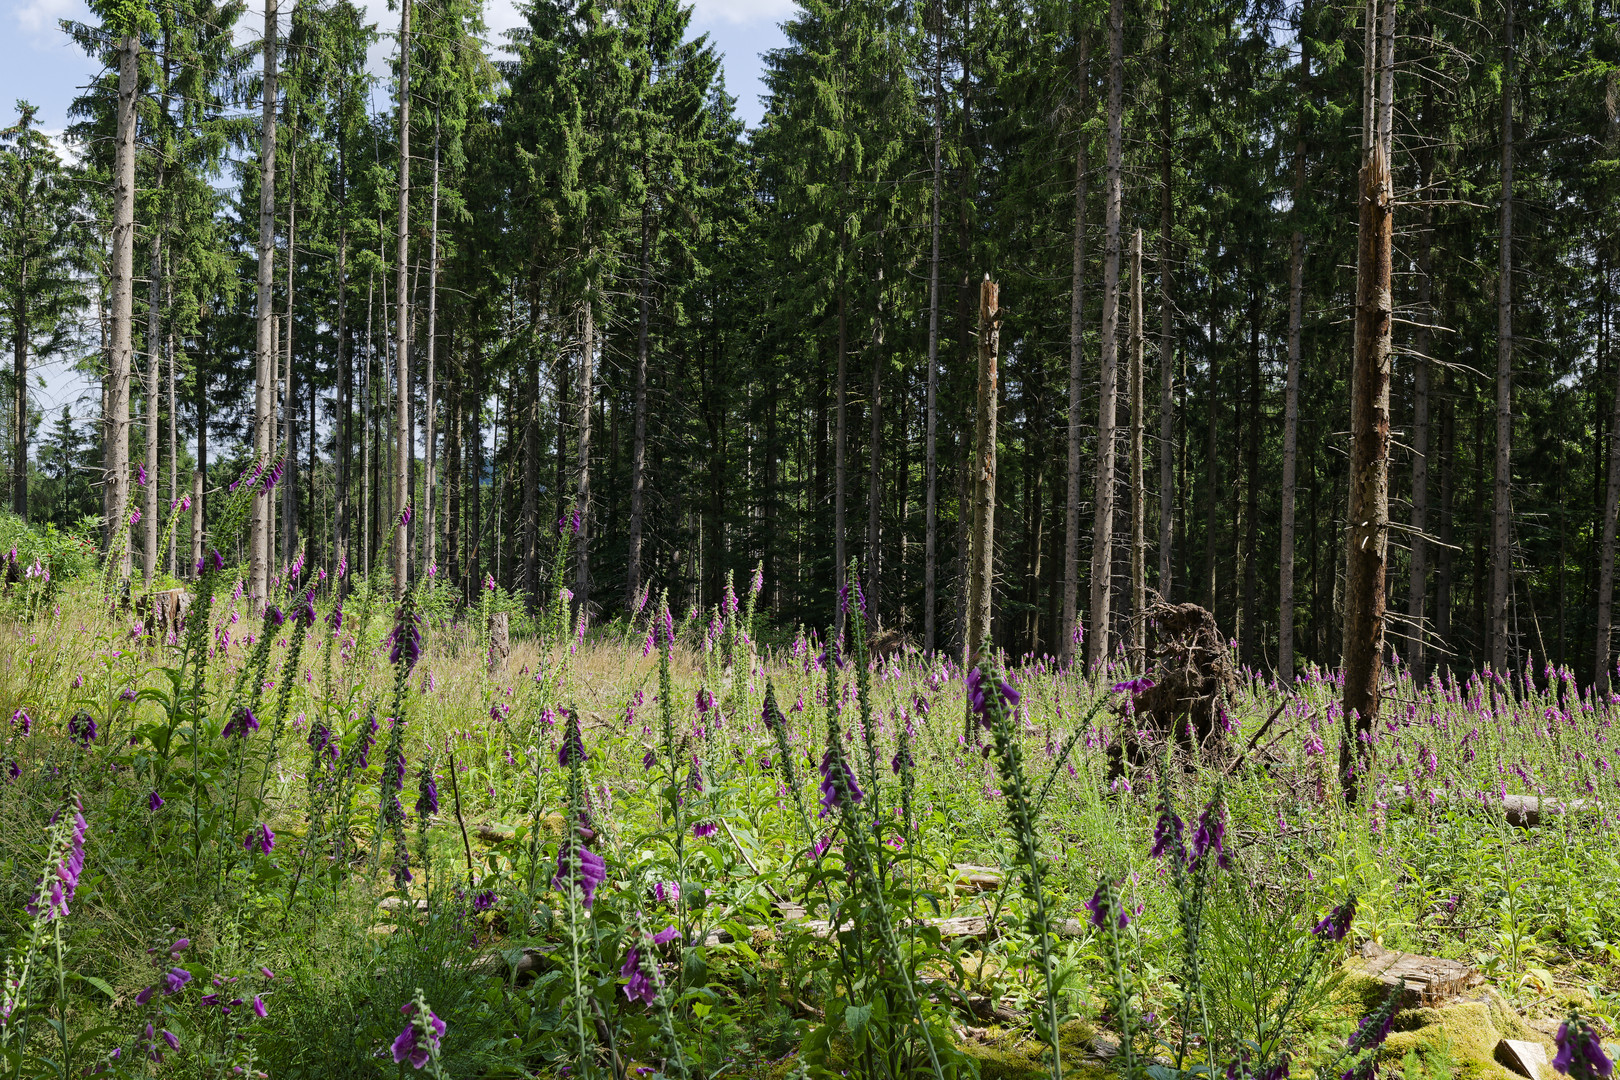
(500, 641)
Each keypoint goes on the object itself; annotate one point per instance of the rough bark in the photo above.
(289, 400)
(840, 462)
(429, 476)
(1068, 642)
(148, 493)
(1138, 484)
(265, 319)
(1296, 320)
(1611, 510)
(982, 550)
(1502, 487)
(122, 272)
(930, 452)
(1102, 550)
(638, 446)
(402, 329)
(1417, 595)
(1367, 547)
(1167, 343)
(582, 486)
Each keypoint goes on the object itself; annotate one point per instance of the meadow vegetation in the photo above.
(328, 841)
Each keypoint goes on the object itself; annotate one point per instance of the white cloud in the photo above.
(37, 19)
(741, 12)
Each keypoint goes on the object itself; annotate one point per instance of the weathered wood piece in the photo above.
(979, 879)
(1526, 1058)
(500, 641)
(1427, 980)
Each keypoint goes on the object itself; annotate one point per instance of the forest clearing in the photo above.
(1080, 544)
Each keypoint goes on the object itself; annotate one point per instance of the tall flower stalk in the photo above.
(993, 700)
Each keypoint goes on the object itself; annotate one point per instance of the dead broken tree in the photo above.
(1193, 675)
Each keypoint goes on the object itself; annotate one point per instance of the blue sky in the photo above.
(40, 65)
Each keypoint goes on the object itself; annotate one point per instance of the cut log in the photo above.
(970, 878)
(1523, 811)
(1427, 980)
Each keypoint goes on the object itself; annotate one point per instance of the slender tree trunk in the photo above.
(154, 360)
(367, 441)
(930, 452)
(1611, 510)
(475, 491)
(582, 489)
(1167, 341)
(1212, 461)
(1068, 638)
(1102, 551)
(638, 447)
(982, 550)
(122, 272)
(1249, 632)
(1502, 493)
(174, 434)
(874, 492)
(289, 400)
(1418, 588)
(1138, 484)
(429, 517)
(1368, 525)
(265, 316)
(840, 463)
(199, 476)
(402, 331)
(1296, 321)
(1443, 561)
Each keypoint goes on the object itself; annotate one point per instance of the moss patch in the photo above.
(1017, 1055)
(1460, 1038)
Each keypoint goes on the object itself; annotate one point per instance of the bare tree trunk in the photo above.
(265, 319)
(1077, 300)
(582, 489)
(1418, 588)
(874, 491)
(1502, 494)
(1611, 510)
(638, 448)
(1167, 342)
(1367, 548)
(1138, 484)
(122, 272)
(982, 550)
(475, 531)
(149, 499)
(289, 400)
(174, 434)
(429, 516)
(402, 329)
(931, 453)
(840, 464)
(1102, 551)
(1296, 321)
(367, 441)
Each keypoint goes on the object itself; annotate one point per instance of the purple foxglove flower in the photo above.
(1102, 906)
(172, 1039)
(405, 516)
(175, 981)
(258, 1007)
(261, 837)
(13, 770)
(704, 830)
(274, 617)
(667, 892)
(1139, 685)
(1167, 836)
(649, 759)
(1337, 922)
(145, 995)
(1580, 1054)
(665, 936)
(154, 802)
(427, 798)
(835, 772)
(1209, 835)
(1372, 1031)
(573, 748)
(180, 946)
(412, 1045)
(140, 476)
(81, 728)
(592, 871)
(240, 724)
(639, 987)
(484, 900)
(705, 701)
(23, 721)
(405, 641)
